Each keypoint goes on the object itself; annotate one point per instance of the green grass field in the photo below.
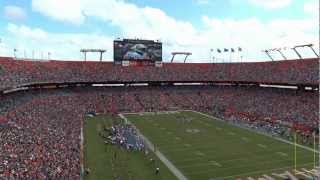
(206, 149)
(99, 157)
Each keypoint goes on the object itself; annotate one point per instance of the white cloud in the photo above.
(61, 45)
(36, 34)
(14, 13)
(133, 21)
(4, 49)
(151, 23)
(255, 35)
(202, 2)
(312, 7)
(62, 10)
(271, 4)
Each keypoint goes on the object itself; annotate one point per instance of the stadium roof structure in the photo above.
(85, 51)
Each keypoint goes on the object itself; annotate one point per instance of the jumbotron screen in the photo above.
(129, 49)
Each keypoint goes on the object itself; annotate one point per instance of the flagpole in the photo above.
(238, 55)
(211, 57)
(15, 52)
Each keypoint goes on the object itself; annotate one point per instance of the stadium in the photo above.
(46, 105)
(142, 116)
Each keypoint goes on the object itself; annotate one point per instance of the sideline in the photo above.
(170, 166)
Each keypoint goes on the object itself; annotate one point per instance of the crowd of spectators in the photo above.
(41, 140)
(15, 73)
(40, 129)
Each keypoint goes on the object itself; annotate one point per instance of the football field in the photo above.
(106, 161)
(205, 148)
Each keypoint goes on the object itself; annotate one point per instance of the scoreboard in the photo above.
(137, 50)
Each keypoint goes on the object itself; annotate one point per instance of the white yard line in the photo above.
(165, 161)
(282, 153)
(245, 139)
(208, 163)
(262, 146)
(204, 158)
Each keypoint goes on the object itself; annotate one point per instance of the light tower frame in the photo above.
(280, 52)
(85, 51)
(187, 54)
(268, 54)
(304, 45)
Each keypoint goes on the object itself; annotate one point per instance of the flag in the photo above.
(225, 50)
(218, 50)
(239, 49)
(232, 50)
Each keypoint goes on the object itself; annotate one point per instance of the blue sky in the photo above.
(63, 27)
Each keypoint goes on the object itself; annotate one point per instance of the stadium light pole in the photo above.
(294, 49)
(308, 45)
(173, 55)
(268, 54)
(279, 50)
(187, 54)
(85, 51)
(305, 45)
(211, 57)
(85, 56)
(15, 52)
(311, 47)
